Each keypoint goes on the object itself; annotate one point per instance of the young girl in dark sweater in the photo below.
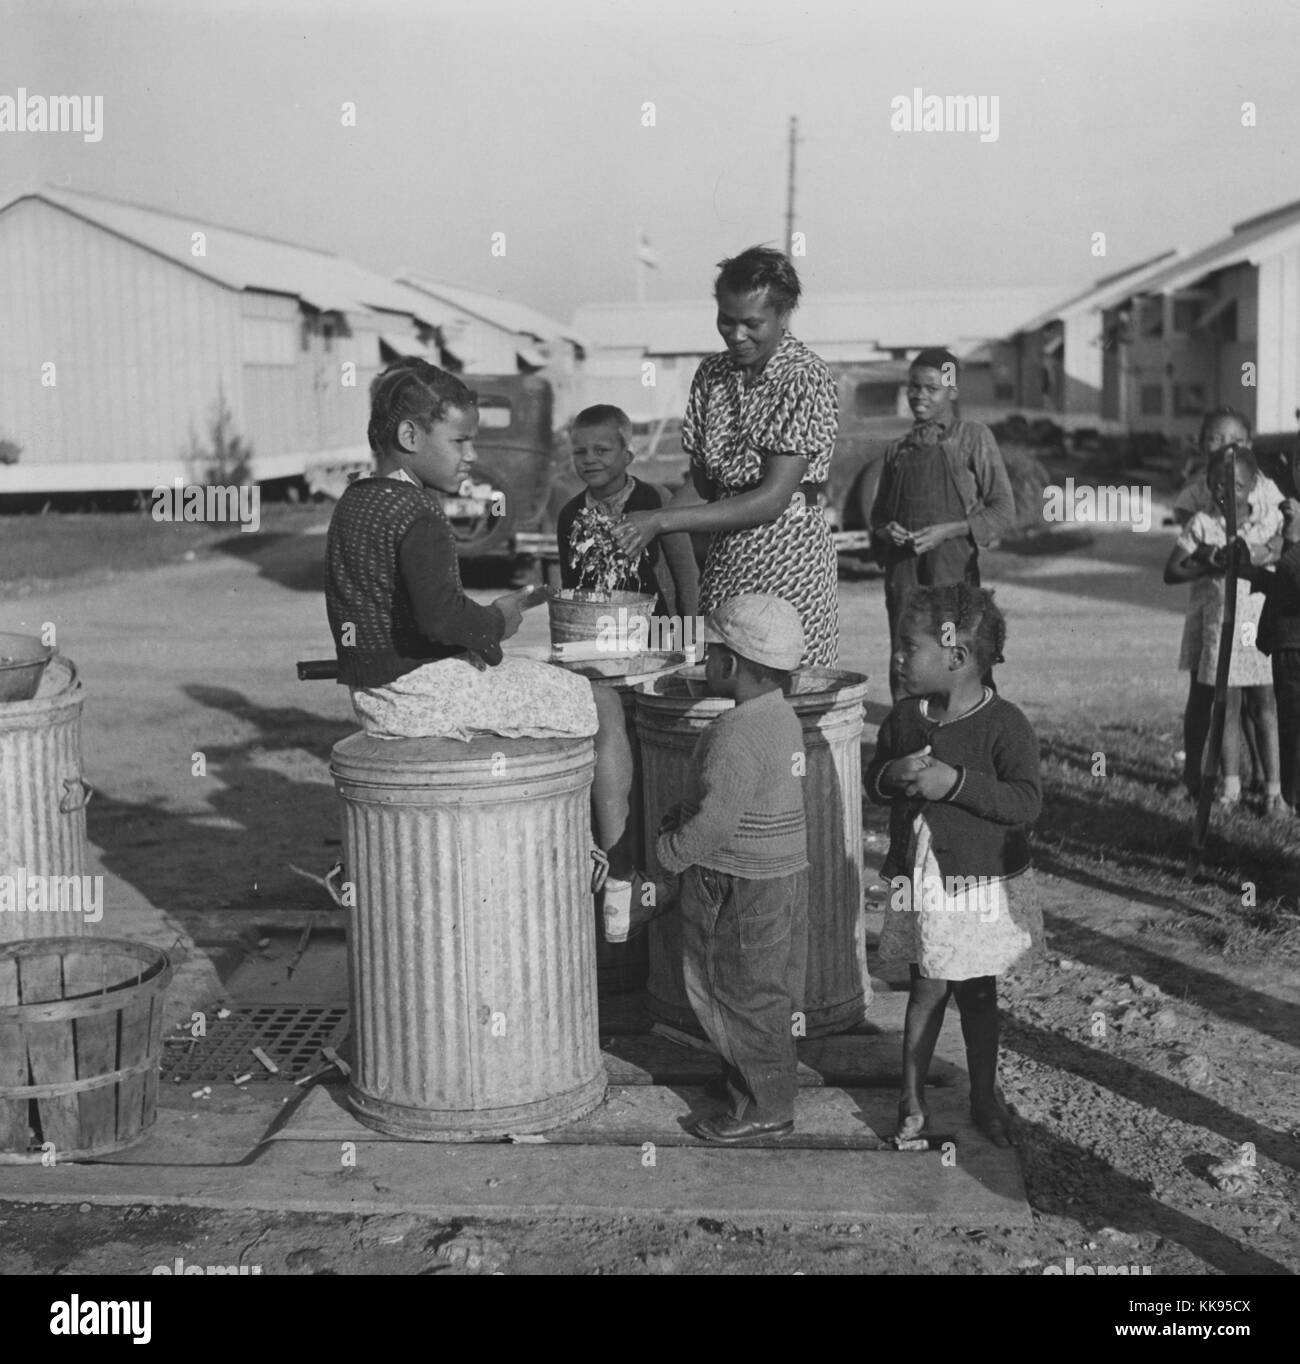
(421, 658)
(959, 766)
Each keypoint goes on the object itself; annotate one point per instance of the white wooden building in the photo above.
(642, 357)
(122, 325)
(488, 334)
(1055, 363)
(1219, 326)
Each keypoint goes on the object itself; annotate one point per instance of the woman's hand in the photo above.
(636, 530)
(895, 534)
(927, 539)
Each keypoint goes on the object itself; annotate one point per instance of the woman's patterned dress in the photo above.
(731, 424)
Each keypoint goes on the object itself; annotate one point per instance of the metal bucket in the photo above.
(81, 1019)
(471, 951)
(670, 713)
(583, 621)
(42, 803)
(22, 661)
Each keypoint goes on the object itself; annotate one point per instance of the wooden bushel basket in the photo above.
(80, 1040)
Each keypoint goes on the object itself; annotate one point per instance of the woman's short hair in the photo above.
(415, 390)
(761, 268)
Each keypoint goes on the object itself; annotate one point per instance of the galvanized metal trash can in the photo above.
(42, 806)
(829, 705)
(471, 946)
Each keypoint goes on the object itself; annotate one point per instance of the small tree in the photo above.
(226, 458)
(9, 452)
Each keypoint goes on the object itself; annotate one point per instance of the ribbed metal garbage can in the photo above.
(671, 712)
(471, 949)
(43, 809)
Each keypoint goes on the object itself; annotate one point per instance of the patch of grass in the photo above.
(57, 546)
(1114, 813)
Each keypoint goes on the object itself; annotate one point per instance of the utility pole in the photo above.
(789, 188)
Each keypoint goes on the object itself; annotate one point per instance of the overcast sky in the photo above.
(527, 118)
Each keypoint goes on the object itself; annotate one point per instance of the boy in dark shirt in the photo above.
(602, 451)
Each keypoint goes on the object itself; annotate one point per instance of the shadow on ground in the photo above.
(270, 804)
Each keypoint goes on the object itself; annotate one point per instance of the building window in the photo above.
(875, 400)
(1153, 400)
(1004, 393)
(1186, 311)
(1189, 400)
(1226, 322)
(494, 412)
(1151, 318)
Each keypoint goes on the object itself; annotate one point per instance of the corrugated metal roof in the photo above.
(1250, 242)
(888, 320)
(1107, 291)
(244, 260)
(501, 312)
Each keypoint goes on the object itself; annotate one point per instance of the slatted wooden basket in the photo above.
(80, 1040)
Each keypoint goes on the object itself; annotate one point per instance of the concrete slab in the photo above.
(797, 1187)
(828, 1118)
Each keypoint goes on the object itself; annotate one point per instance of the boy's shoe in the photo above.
(1276, 808)
(729, 1130)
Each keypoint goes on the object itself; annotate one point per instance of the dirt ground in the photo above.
(1133, 1059)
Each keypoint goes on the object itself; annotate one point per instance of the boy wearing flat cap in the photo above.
(739, 841)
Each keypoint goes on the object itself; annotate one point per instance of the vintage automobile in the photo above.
(510, 491)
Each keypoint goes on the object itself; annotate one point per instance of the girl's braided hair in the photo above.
(412, 390)
(970, 611)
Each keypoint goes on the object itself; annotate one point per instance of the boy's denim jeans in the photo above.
(744, 957)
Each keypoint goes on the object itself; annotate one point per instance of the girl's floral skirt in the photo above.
(957, 928)
(451, 699)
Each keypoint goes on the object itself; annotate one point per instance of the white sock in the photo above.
(1232, 788)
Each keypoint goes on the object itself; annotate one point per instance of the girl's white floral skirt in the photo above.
(956, 928)
(520, 698)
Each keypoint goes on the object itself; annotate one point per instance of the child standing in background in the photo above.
(602, 451)
(1200, 557)
(1223, 427)
(943, 492)
(740, 841)
(1279, 637)
(959, 767)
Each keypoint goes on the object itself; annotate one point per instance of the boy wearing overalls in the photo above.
(943, 492)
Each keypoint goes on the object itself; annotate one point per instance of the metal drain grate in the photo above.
(292, 1035)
